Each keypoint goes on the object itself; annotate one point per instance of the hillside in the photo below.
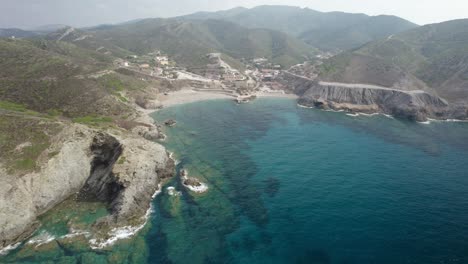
(327, 31)
(61, 79)
(47, 76)
(433, 57)
(87, 40)
(16, 32)
(188, 42)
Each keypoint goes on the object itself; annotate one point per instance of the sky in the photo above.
(80, 13)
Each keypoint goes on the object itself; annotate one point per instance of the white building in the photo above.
(162, 60)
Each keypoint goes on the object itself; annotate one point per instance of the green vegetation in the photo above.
(52, 78)
(188, 42)
(112, 83)
(434, 55)
(92, 120)
(326, 31)
(12, 106)
(23, 140)
(54, 112)
(5, 105)
(121, 160)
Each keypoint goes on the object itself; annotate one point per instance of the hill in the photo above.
(61, 79)
(16, 32)
(189, 41)
(433, 57)
(328, 31)
(44, 76)
(88, 40)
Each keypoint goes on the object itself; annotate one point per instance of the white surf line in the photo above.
(430, 121)
(75, 233)
(425, 122)
(4, 251)
(126, 232)
(43, 238)
(350, 114)
(307, 107)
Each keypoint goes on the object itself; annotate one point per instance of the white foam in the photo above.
(157, 192)
(75, 233)
(43, 238)
(172, 191)
(4, 251)
(125, 232)
(334, 111)
(365, 114)
(116, 234)
(448, 120)
(303, 106)
(197, 189)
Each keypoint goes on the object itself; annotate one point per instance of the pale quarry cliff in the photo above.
(415, 105)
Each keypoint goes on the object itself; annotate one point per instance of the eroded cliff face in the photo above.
(123, 170)
(23, 198)
(414, 105)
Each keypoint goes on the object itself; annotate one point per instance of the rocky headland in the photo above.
(417, 105)
(121, 169)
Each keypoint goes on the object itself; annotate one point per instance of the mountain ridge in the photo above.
(314, 27)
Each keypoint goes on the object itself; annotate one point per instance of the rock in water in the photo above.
(170, 122)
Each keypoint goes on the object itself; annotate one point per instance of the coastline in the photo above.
(190, 96)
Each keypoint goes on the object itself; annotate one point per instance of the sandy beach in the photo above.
(190, 96)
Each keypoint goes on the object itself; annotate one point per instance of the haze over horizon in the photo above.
(30, 14)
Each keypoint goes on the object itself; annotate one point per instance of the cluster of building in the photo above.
(153, 64)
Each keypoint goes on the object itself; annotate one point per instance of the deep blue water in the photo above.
(289, 185)
(294, 185)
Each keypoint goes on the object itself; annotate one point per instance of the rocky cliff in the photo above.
(415, 105)
(115, 167)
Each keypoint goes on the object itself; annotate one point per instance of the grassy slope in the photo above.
(51, 76)
(16, 130)
(436, 54)
(46, 84)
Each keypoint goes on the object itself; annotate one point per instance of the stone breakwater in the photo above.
(415, 105)
(118, 168)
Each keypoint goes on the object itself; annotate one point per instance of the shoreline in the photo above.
(190, 96)
(357, 114)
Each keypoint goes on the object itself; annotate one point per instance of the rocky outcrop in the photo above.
(137, 174)
(24, 198)
(149, 132)
(170, 122)
(414, 105)
(123, 170)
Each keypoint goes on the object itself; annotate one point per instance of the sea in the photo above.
(288, 184)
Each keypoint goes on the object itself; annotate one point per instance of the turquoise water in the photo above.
(291, 185)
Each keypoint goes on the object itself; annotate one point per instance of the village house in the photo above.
(162, 60)
(260, 60)
(158, 71)
(144, 66)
